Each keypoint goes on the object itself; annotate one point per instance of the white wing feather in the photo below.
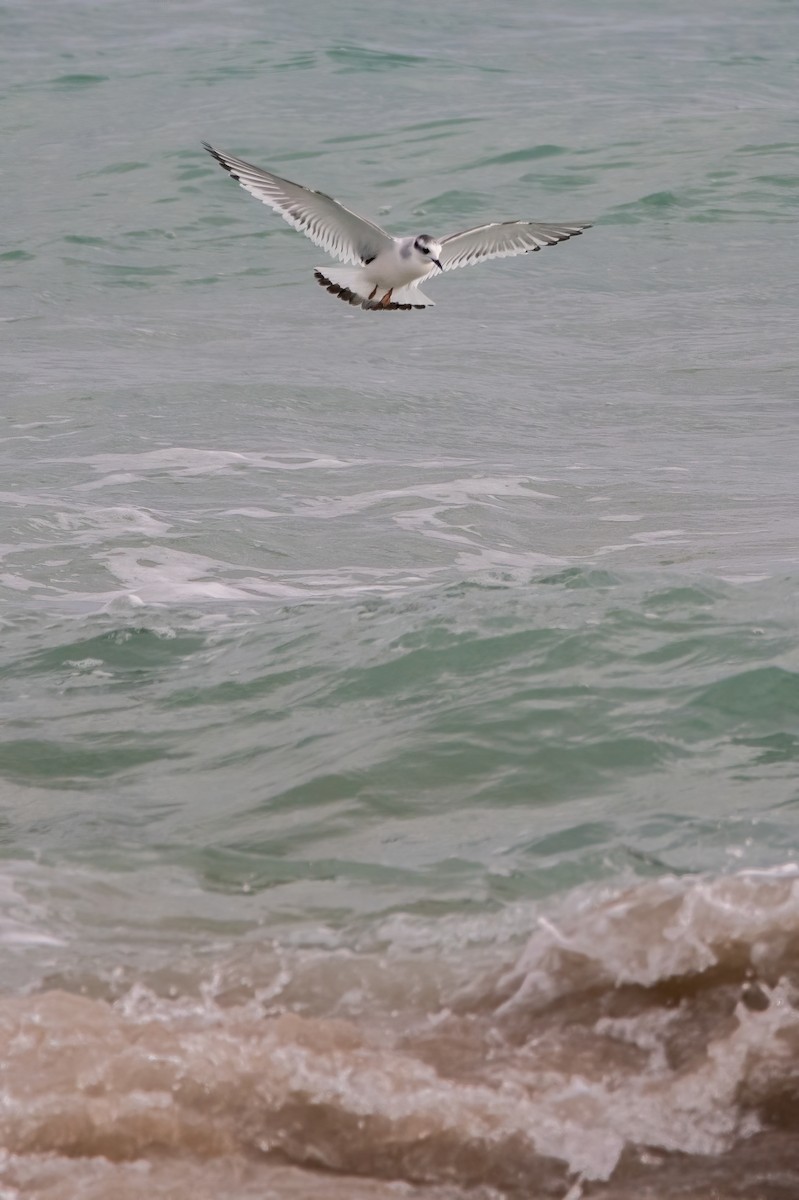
(501, 239)
(341, 233)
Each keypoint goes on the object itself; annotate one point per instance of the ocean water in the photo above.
(400, 731)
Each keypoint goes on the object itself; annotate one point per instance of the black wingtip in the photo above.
(215, 154)
(220, 158)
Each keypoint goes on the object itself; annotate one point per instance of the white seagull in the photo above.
(388, 269)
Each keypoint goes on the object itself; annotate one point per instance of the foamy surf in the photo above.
(641, 1038)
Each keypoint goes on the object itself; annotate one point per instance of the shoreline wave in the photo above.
(642, 1035)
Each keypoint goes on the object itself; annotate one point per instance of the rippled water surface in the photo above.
(401, 712)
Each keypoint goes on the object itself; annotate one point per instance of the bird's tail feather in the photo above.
(352, 285)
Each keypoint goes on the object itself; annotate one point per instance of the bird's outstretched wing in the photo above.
(502, 239)
(328, 224)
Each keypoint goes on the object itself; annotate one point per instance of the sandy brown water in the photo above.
(643, 1042)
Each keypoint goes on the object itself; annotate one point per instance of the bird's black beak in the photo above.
(438, 264)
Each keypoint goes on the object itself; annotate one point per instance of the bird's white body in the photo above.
(387, 269)
(402, 263)
(389, 281)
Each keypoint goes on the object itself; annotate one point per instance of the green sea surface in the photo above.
(313, 618)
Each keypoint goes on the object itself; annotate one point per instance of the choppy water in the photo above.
(401, 714)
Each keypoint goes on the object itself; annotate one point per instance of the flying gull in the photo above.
(387, 269)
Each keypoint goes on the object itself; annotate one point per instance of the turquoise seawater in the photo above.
(359, 671)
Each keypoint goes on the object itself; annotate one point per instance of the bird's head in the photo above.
(428, 250)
